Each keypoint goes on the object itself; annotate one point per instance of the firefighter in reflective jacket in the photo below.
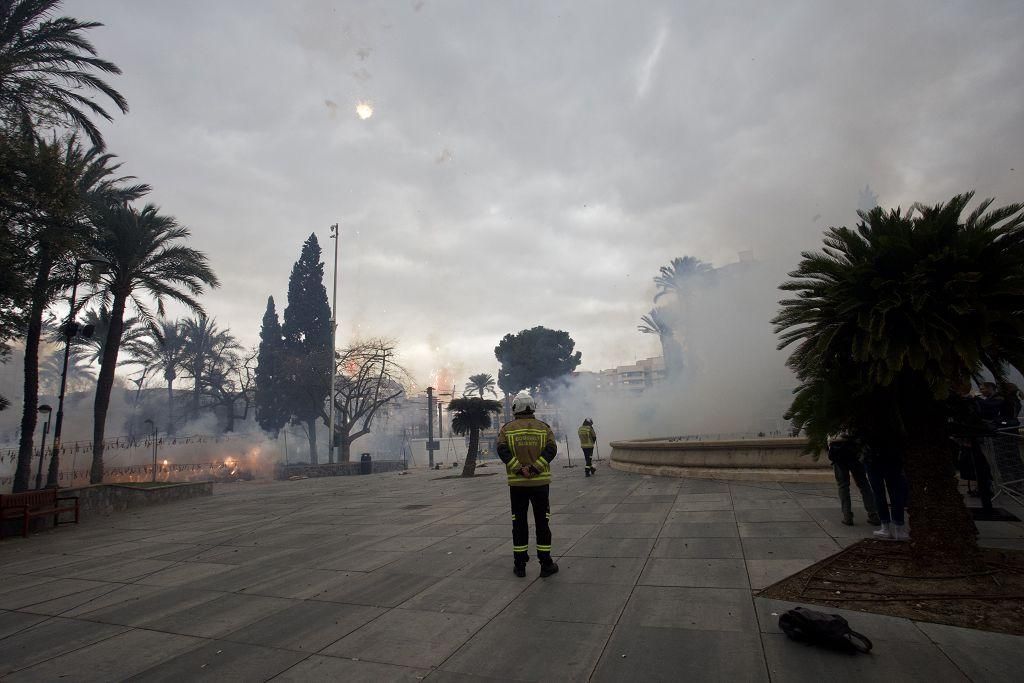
(527, 446)
(588, 437)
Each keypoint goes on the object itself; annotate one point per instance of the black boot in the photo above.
(586, 470)
(548, 568)
(519, 570)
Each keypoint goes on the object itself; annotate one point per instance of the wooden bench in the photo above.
(35, 504)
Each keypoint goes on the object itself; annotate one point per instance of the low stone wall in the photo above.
(105, 499)
(773, 459)
(338, 469)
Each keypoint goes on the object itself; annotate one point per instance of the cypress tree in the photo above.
(270, 408)
(307, 342)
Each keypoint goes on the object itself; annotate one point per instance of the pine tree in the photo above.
(270, 409)
(307, 342)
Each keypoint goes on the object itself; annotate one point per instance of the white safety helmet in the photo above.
(523, 403)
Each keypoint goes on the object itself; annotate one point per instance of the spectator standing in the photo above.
(884, 463)
(845, 454)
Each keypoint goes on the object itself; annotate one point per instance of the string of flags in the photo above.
(129, 443)
(130, 470)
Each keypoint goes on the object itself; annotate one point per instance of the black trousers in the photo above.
(588, 453)
(522, 497)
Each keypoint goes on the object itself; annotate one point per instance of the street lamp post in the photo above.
(52, 473)
(155, 432)
(45, 410)
(335, 235)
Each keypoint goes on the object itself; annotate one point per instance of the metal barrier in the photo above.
(1005, 453)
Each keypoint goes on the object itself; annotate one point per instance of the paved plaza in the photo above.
(406, 577)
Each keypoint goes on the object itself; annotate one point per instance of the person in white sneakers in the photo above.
(885, 471)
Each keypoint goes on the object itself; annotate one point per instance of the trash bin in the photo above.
(365, 464)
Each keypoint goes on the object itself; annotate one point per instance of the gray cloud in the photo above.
(534, 163)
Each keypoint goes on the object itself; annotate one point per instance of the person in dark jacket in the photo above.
(845, 454)
(967, 430)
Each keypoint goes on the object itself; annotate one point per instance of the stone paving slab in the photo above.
(696, 573)
(559, 651)
(49, 639)
(595, 546)
(114, 658)
(981, 656)
(711, 548)
(888, 661)
(409, 577)
(307, 626)
(220, 661)
(462, 595)
(701, 609)
(12, 622)
(413, 638)
(639, 653)
(318, 668)
(788, 548)
(218, 617)
(763, 573)
(591, 603)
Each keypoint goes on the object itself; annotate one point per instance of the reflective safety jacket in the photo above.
(530, 442)
(588, 437)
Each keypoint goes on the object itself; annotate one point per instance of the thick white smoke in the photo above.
(733, 382)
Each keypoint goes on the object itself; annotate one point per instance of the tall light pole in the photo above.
(334, 334)
(69, 333)
(153, 424)
(45, 410)
(430, 427)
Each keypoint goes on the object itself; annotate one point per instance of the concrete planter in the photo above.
(773, 459)
(338, 469)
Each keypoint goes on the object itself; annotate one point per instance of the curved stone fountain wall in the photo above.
(765, 459)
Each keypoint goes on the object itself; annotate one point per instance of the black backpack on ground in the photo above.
(827, 630)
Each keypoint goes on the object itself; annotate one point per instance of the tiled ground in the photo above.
(401, 577)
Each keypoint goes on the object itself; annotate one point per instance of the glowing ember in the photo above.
(364, 110)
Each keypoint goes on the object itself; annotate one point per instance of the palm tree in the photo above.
(470, 416)
(888, 318)
(656, 322)
(62, 187)
(146, 254)
(480, 383)
(50, 368)
(90, 350)
(47, 69)
(680, 274)
(205, 344)
(162, 351)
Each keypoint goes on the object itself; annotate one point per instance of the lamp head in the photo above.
(45, 409)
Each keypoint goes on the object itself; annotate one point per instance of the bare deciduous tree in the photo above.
(368, 382)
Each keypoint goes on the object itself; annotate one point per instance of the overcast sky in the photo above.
(536, 162)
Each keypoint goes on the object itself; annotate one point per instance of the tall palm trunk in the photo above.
(469, 468)
(196, 389)
(170, 375)
(31, 390)
(104, 385)
(942, 532)
(311, 433)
